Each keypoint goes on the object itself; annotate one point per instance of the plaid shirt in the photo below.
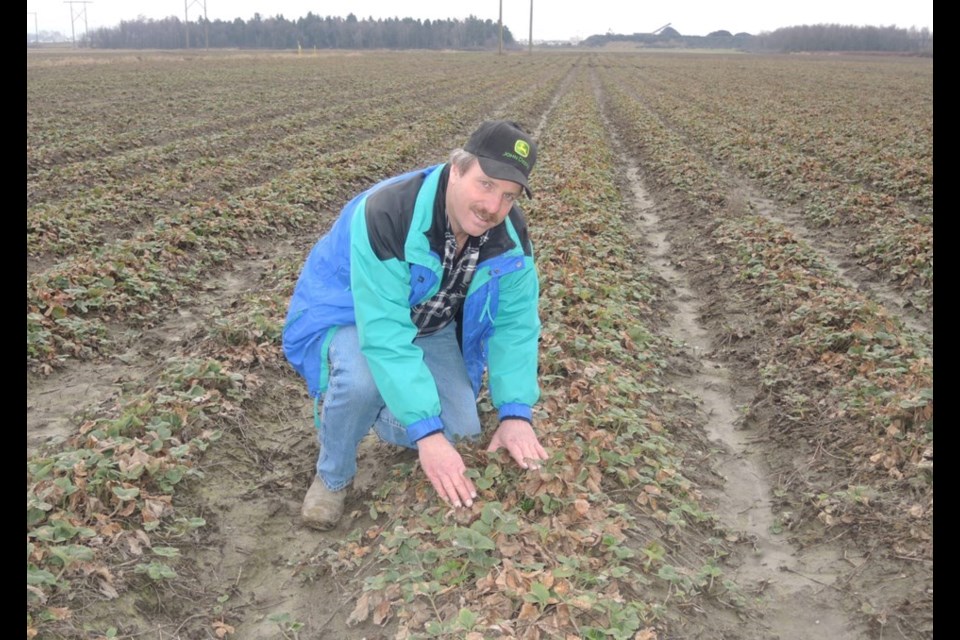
(437, 312)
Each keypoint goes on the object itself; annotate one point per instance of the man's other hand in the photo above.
(520, 440)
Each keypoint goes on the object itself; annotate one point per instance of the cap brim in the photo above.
(504, 171)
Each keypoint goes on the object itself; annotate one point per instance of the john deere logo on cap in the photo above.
(522, 148)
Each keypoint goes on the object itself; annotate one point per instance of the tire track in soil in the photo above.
(797, 601)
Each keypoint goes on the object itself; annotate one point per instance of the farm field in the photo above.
(736, 274)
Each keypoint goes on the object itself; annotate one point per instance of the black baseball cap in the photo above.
(505, 151)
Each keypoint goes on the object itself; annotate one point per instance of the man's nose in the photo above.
(494, 203)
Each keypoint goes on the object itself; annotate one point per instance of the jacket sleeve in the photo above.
(514, 345)
(381, 290)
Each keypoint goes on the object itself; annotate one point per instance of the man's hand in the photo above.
(520, 440)
(444, 468)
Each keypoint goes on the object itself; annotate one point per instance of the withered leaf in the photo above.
(360, 611)
(382, 613)
(222, 629)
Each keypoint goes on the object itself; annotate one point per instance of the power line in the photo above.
(186, 19)
(36, 31)
(75, 16)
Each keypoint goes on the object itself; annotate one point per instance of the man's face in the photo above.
(477, 202)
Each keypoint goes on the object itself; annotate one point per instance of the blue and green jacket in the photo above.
(383, 256)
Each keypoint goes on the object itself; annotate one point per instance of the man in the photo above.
(424, 282)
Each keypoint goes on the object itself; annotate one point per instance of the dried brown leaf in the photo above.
(136, 457)
(155, 507)
(108, 590)
(562, 617)
(562, 587)
(382, 613)
(222, 629)
(508, 548)
(128, 509)
(59, 613)
(134, 544)
(360, 611)
(531, 633)
(528, 611)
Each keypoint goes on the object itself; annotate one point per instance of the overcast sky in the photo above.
(552, 19)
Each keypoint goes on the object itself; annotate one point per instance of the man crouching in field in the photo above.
(425, 281)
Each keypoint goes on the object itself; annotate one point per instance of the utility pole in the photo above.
(186, 21)
(531, 27)
(36, 31)
(75, 16)
(500, 49)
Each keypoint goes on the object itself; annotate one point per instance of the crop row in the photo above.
(564, 550)
(128, 188)
(588, 545)
(839, 369)
(122, 189)
(104, 508)
(881, 138)
(133, 280)
(101, 508)
(844, 164)
(118, 107)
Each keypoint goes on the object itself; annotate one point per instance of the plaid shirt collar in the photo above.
(434, 314)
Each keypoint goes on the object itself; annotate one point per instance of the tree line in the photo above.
(309, 32)
(819, 37)
(836, 37)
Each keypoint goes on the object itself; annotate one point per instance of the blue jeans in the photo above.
(352, 403)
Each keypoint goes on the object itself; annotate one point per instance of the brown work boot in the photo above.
(322, 508)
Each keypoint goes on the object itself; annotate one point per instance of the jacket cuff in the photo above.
(516, 410)
(423, 428)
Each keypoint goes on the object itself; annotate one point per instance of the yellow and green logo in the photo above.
(522, 148)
